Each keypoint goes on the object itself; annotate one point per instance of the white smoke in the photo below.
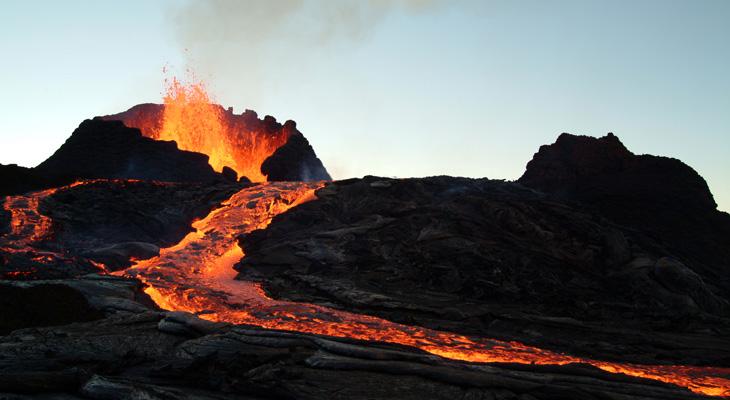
(241, 44)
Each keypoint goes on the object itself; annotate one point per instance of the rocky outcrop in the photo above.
(603, 171)
(15, 179)
(295, 160)
(108, 149)
(42, 305)
(660, 196)
(148, 115)
(119, 255)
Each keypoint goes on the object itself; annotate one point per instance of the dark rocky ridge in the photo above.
(104, 148)
(108, 149)
(15, 179)
(294, 161)
(42, 305)
(145, 114)
(603, 170)
(659, 196)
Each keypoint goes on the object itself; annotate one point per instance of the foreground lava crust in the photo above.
(196, 276)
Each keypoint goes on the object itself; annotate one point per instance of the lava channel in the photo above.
(196, 275)
(29, 228)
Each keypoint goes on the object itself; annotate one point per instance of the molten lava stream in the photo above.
(29, 227)
(196, 275)
(27, 224)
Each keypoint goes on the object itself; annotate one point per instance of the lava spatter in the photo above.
(191, 119)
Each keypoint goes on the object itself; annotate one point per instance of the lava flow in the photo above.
(29, 228)
(195, 123)
(196, 275)
(27, 224)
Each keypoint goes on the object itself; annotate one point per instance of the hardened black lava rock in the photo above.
(495, 258)
(295, 160)
(660, 196)
(108, 149)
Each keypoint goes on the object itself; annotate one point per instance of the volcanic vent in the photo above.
(250, 146)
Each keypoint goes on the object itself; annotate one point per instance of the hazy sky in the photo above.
(394, 88)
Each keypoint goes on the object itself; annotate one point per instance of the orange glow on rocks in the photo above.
(191, 119)
(196, 275)
(28, 225)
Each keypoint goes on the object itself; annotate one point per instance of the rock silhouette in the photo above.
(295, 160)
(108, 149)
(659, 196)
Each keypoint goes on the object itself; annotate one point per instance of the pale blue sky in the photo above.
(408, 88)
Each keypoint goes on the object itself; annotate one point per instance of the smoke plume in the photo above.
(244, 43)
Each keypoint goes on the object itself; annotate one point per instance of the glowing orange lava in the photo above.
(27, 224)
(196, 275)
(195, 123)
(29, 227)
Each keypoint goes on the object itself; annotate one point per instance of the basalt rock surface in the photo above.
(42, 305)
(494, 258)
(108, 149)
(659, 196)
(295, 160)
(107, 213)
(15, 179)
(135, 352)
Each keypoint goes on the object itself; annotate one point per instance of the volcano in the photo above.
(183, 251)
(260, 150)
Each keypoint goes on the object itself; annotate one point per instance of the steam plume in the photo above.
(241, 42)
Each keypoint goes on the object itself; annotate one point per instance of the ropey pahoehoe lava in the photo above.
(290, 285)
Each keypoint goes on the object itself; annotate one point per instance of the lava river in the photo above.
(196, 275)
